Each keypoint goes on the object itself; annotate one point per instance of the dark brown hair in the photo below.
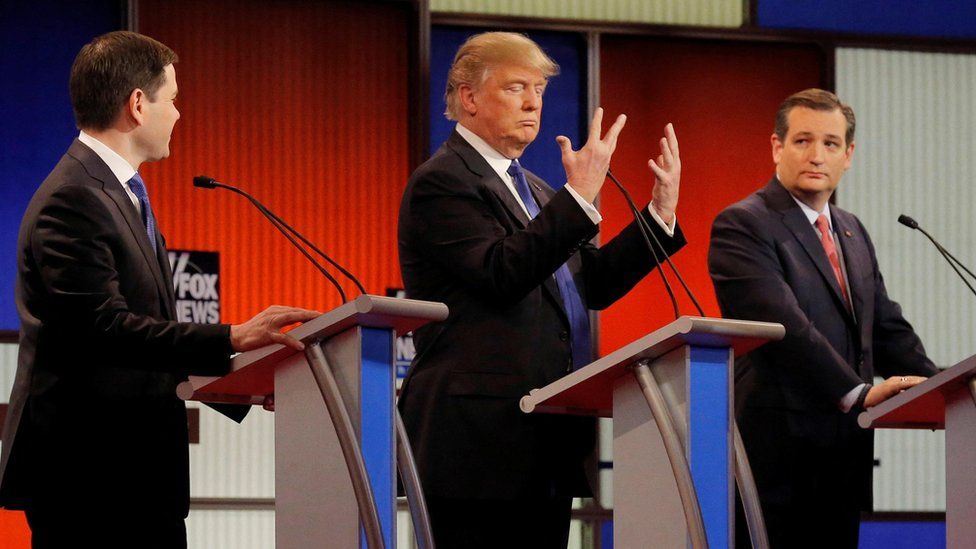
(818, 100)
(108, 69)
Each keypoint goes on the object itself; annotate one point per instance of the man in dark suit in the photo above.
(511, 258)
(784, 254)
(95, 443)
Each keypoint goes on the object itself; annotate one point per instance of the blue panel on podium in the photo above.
(378, 442)
(710, 440)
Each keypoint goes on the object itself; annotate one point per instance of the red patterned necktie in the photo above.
(828, 245)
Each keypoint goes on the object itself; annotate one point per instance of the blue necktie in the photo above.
(138, 188)
(579, 320)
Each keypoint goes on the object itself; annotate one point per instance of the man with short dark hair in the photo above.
(786, 255)
(511, 258)
(95, 444)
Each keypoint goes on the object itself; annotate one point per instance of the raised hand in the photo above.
(265, 328)
(586, 169)
(667, 176)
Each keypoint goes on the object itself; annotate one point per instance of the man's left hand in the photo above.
(667, 176)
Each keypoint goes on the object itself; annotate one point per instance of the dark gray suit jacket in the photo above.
(465, 241)
(767, 263)
(93, 419)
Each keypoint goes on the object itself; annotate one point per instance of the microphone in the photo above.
(645, 231)
(953, 262)
(284, 228)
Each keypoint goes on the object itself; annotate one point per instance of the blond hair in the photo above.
(482, 51)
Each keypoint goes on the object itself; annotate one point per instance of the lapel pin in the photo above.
(848, 234)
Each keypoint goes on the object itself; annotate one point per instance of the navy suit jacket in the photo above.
(94, 419)
(465, 241)
(767, 263)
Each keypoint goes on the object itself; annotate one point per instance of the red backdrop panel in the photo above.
(722, 98)
(304, 105)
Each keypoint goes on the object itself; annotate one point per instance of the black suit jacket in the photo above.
(464, 241)
(767, 263)
(93, 418)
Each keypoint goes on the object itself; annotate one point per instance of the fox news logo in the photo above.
(196, 281)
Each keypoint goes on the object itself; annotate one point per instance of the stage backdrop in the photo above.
(305, 107)
(721, 98)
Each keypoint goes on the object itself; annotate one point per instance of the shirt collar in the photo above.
(812, 214)
(120, 167)
(498, 162)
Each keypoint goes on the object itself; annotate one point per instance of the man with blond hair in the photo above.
(785, 254)
(512, 259)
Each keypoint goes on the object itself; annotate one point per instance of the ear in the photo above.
(135, 107)
(466, 94)
(777, 148)
(849, 155)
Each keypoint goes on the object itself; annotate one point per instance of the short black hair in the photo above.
(106, 71)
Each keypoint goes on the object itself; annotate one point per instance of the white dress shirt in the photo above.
(120, 167)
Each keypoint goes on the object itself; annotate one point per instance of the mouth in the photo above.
(815, 175)
(527, 122)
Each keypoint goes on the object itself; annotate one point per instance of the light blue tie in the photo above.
(579, 319)
(138, 188)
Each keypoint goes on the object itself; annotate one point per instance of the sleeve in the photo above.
(609, 272)
(457, 227)
(897, 348)
(750, 285)
(74, 251)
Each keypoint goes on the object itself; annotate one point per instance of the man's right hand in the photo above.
(889, 388)
(586, 169)
(265, 328)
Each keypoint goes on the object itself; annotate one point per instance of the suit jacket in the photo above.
(93, 419)
(464, 241)
(767, 263)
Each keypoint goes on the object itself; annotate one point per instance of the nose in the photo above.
(817, 153)
(532, 100)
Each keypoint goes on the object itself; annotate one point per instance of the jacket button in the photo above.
(563, 336)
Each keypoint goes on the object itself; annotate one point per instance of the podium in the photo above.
(947, 401)
(316, 504)
(691, 362)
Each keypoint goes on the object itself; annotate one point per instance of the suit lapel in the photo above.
(855, 252)
(97, 169)
(169, 303)
(796, 221)
(490, 179)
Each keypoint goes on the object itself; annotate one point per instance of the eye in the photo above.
(516, 88)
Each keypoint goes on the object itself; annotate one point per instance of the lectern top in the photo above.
(589, 390)
(922, 406)
(252, 373)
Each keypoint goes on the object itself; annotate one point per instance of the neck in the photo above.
(119, 142)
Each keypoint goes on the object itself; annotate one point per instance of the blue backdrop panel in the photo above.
(902, 534)
(38, 42)
(709, 440)
(377, 427)
(564, 105)
(933, 18)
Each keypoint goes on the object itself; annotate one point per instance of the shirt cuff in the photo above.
(588, 208)
(669, 229)
(850, 398)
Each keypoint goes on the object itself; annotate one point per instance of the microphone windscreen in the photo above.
(204, 182)
(907, 221)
